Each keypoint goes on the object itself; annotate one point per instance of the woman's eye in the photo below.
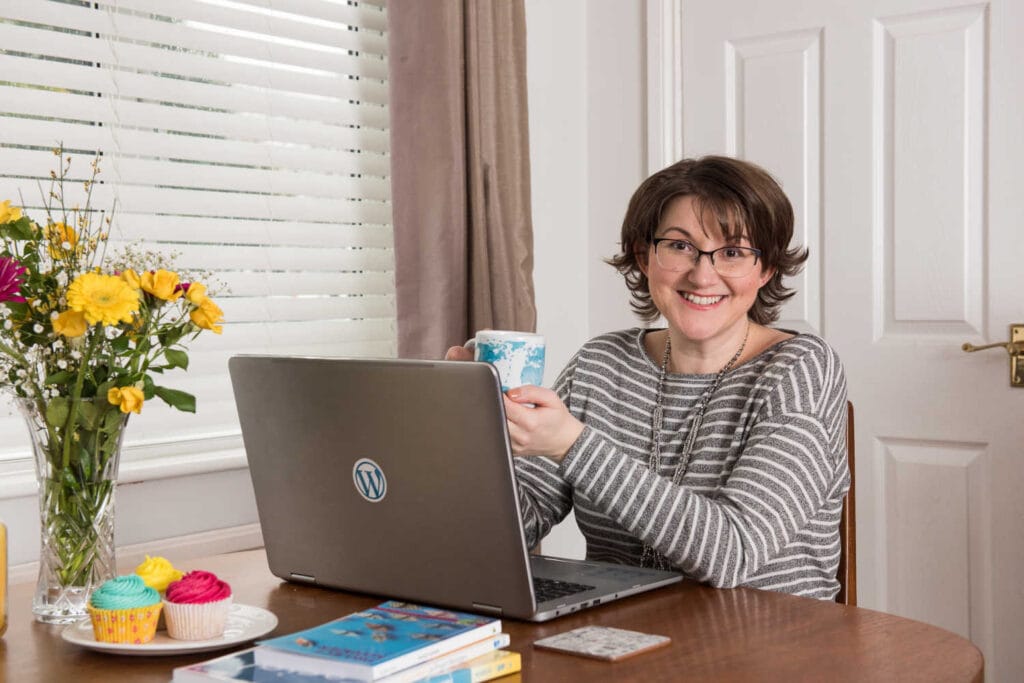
(732, 253)
(680, 246)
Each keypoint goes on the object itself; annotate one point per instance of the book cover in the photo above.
(473, 659)
(374, 643)
(484, 668)
(241, 666)
(603, 642)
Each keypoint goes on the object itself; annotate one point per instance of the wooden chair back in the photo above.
(847, 573)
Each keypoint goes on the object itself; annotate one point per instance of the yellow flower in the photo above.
(163, 284)
(104, 299)
(59, 234)
(196, 293)
(70, 324)
(129, 399)
(8, 213)
(132, 278)
(208, 316)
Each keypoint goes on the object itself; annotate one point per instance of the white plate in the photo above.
(245, 623)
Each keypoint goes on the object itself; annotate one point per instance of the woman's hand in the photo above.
(547, 428)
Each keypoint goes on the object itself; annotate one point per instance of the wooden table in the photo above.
(717, 635)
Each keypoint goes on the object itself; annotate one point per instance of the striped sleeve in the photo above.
(545, 498)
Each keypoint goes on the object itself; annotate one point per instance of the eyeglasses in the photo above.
(679, 255)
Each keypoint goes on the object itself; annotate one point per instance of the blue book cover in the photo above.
(376, 642)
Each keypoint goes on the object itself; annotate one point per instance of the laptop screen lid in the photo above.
(395, 478)
(388, 477)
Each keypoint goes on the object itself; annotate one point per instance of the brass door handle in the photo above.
(1014, 347)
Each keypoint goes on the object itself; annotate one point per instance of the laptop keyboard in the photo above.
(550, 589)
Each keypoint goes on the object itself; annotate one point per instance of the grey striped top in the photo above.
(759, 504)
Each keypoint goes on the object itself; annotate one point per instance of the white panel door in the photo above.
(895, 127)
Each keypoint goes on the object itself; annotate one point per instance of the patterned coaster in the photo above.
(603, 642)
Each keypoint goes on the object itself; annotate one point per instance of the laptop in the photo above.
(395, 478)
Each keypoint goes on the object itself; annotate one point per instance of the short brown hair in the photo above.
(745, 200)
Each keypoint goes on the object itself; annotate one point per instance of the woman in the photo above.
(715, 446)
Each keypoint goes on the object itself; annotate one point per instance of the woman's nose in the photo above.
(703, 270)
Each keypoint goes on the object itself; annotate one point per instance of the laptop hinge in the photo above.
(487, 609)
(304, 578)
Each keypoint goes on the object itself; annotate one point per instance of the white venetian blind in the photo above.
(248, 136)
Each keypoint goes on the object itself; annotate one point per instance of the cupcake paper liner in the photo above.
(136, 625)
(196, 621)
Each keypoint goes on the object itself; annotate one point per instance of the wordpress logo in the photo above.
(369, 480)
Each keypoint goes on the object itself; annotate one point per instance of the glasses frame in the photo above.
(700, 252)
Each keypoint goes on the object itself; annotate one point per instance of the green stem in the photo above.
(76, 394)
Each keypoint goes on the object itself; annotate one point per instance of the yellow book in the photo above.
(483, 668)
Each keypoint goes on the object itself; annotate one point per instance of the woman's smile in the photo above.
(702, 301)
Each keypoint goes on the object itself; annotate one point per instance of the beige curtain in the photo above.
(460, 171)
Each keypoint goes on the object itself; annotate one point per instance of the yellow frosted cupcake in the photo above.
(158, 573)
(124, 610)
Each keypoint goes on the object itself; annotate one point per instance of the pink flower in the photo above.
(12, 274)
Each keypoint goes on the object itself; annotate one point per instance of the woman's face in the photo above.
(697, 302)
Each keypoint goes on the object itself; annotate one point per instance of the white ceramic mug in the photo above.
(517, 356)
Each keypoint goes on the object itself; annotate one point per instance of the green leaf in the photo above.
(111, 423)
(148, 387)
(120, 344)
(177, 399)
(60, 377)
(57, 412)
(20, 229)
(88, 414)
(176, 359)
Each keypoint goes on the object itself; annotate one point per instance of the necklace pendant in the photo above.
(656, 418)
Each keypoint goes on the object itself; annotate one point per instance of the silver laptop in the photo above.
(395, 478)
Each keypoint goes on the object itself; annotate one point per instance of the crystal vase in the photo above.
(77, 449)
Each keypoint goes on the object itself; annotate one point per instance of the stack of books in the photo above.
(394, 642)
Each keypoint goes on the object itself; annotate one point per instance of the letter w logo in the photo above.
(369, 480)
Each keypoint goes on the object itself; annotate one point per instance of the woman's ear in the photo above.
(766, 275)
(642, 257)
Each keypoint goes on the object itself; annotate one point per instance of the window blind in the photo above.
(250, 138)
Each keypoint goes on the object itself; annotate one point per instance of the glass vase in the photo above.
(77, 449)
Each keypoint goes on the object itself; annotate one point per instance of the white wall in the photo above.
(587, 139)
(586, 94)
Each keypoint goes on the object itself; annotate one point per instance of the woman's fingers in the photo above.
(458, 353)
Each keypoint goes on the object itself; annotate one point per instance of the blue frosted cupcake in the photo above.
(124, 610)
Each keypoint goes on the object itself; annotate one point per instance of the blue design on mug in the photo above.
(518, 362)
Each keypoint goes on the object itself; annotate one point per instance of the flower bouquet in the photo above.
(83, 338)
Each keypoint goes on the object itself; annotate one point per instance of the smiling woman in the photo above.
(715, 446)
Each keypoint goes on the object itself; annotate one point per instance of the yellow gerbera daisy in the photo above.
(103, 299)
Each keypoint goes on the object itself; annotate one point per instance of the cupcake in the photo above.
(158, 573)
(124, 610)
(196, 606)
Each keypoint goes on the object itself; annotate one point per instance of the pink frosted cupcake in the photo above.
(196, 606)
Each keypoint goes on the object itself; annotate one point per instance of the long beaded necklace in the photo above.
(651, 558)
